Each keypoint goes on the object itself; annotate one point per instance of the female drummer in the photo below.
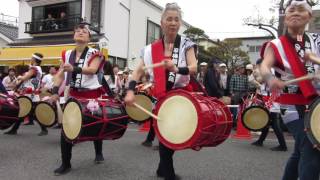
(81, 66)
(175, 74)
(30, 83)
(287, 55)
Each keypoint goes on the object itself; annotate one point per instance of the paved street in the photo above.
(30, 157)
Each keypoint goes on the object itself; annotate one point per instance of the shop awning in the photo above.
(12, 56)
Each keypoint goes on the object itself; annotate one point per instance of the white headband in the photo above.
(87, 27)
(36, 57)
(303, 3)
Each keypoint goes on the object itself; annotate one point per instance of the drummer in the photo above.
(81, 66)
(175, 74)
(31, 84)
(288, 56)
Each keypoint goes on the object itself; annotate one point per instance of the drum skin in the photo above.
(25, 106)
(312, 123)
(255, 116)
(109, 122)
(211, 121)
(9, 110)
(135, 113)
(46, 114)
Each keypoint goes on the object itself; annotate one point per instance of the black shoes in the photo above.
(146, 144)
(63, 169)
(57, 127)
(177, 177)
(99, 159)
(43, 133)
(257, 143)
(279, 148)
(11, 132)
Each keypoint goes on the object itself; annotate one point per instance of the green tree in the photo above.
(193, 32)
(229, 52)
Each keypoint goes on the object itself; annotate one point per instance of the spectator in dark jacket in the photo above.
(211, 81)
(2, 88)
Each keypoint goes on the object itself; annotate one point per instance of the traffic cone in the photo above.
(242, 132)
(145, 127)
(26, 120)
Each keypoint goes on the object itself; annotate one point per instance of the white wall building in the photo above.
(124, 26)
(252, 45)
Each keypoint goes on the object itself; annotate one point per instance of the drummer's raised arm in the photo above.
(312, 57)
(192, 61)
(267, 63)
(138, 72)
(136, 75)
(59, 76)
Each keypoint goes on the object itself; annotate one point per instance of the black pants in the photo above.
(66, 150)
(151, 133)
(165, 167)
(16, 125)
(275, 124)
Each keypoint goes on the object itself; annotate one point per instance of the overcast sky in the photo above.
(219, 19)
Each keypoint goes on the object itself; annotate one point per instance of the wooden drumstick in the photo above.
(59, 112)
(146, 111)
(302, 78)
(153, 66)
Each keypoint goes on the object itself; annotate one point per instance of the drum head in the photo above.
(135, 113)
(25, 106)
(315, 124)
(179, 119)
(45, 114)
(72, 120)
(255, 118)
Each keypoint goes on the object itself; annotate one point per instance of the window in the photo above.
(252, 49)
(121, 62)
(153, 32)
(55, 17)
(95, 14)
(258, 48)
(255, 48)
(112, 60)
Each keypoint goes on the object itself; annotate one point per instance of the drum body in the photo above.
(312, 123)
(255, 116)
(9, 110)
(46, 114)
(108, 121)
(192, 121)
(135, 113)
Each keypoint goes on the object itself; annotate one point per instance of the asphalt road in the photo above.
(30, 157)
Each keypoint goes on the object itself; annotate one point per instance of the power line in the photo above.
(233, 32)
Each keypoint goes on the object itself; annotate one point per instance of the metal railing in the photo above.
(10, 20)
(52, 25)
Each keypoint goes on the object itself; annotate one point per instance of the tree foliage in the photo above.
(229, 52)
(193, 31)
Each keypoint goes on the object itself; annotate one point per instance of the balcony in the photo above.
(52, 26)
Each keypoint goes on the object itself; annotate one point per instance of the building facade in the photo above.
(253, 45)
(123, 27)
